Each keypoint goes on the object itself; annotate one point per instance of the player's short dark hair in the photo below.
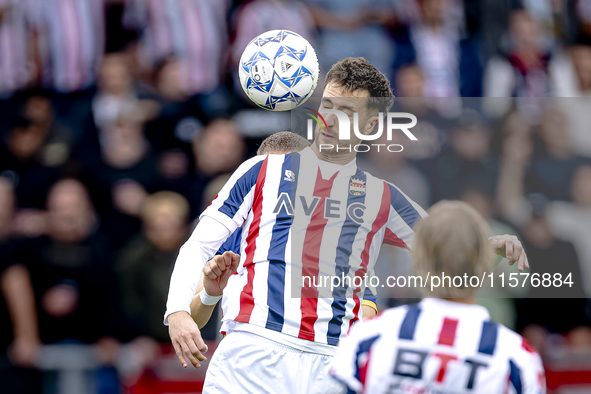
(282, 142)
(356, 73)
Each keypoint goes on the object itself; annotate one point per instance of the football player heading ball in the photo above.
(280, 343)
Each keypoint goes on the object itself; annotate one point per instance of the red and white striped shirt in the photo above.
(192, 31)
(71, 37)
(298, 223)
(437, 346)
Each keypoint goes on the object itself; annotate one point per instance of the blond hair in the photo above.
(282, 142)
(453, 240)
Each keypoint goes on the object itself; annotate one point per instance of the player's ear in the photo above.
(370, 124)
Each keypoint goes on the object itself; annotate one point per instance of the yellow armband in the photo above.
(370, 304)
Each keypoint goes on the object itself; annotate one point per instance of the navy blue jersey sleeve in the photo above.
(232, 244)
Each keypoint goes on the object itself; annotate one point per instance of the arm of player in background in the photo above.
(369, 305)
(224, 215)
(369, 308)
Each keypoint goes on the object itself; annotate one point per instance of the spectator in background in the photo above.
(59, 139)
(551, 16)
(16, 58)
(180, 117)
(513, 127)
(346, 28)
(410, 82)
(20, 340)
(174, 171)
(169, 81)
(436, 45)
(7, 207)
(195, 32)
(581, 61)
(583, 16)
(218, 150)
(527, 69)
(523, 72)
(70, 269)
(123, 177)
(538, 221)
(431, 128)
(570, 221)
(117, 94)
(146, 262)
(576, 83)
(71, 40)
(467, 160)
(553, 256)
(23, 159)
(554, 162)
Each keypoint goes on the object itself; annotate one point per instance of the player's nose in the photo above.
(330, 119)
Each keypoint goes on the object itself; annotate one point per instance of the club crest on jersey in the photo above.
(357, 187)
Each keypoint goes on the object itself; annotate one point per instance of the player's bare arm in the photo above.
(368, 311)
(214, 280)
(184, 332)
(199, 312)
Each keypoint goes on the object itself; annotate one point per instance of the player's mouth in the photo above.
(327, 136)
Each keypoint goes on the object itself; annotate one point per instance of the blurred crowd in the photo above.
(122, 119)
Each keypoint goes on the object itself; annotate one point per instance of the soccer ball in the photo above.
(279, 70)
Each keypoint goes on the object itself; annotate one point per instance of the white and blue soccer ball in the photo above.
(279, 70)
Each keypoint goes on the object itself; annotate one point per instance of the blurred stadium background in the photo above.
(121, 119)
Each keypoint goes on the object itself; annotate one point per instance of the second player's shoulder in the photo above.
(520, 360)
(511, 344)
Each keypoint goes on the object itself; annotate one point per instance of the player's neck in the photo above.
(470, 301)
(341, 159)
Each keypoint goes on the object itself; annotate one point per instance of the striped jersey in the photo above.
(301, 221)
(234, 241)
(437, 346)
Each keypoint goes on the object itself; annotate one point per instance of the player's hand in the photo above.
(509, 247)
(217, 271)
(186, 339)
